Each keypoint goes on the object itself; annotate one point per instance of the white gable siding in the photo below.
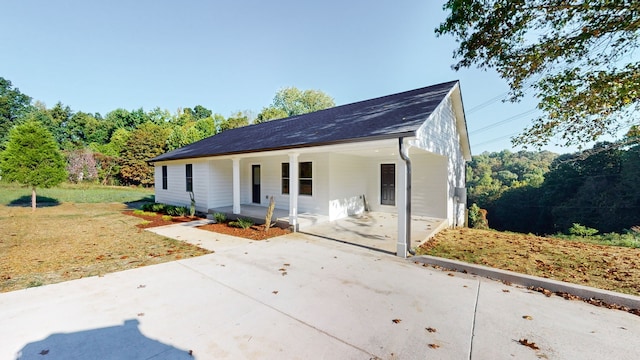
(440, 135)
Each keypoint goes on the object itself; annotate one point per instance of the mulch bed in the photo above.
(255, 232)
(157, 220)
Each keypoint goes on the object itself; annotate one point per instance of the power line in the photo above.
(496, 139)
(487, 103)
(509, 119)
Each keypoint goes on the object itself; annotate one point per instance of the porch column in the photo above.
(236, 185)
(293, 190)
(401, 204)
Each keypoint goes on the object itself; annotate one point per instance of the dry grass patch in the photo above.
(605, 267)
(71, 241)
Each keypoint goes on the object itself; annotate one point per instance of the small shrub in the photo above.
(581, 230)
(242, 223)
(478, 217)
(176, 210)
(220, 217)
(144, 213)
(166, 217)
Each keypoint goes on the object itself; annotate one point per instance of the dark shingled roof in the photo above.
(386, 117)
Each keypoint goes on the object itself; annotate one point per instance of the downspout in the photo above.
(406, 160)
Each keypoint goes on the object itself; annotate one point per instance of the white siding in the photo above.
(428, 184)
(176, 192)
(271, 180)
(348, 184)
(220, 183)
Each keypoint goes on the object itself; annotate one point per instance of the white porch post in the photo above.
(236, 185)
(293, 191)
(401, 204)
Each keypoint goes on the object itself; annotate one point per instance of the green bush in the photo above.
(144, 213)
(166, 209)
(478, 217)
(242, 223)
(166, 217)
(581, 230)
(220, 217)
(176, 210)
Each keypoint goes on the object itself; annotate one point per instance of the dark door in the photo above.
(388, 184)
(255, 181)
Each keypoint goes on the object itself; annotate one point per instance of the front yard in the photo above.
(605, 267)
(73, 240)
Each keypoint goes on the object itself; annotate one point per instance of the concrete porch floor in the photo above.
(372, 230)
(376, 230)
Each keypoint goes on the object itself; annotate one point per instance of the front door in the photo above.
(255, 181)
(388, 184)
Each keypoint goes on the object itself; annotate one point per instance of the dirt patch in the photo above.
(73, 240)
(255, 232)
(605, 267)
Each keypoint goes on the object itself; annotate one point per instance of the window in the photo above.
(305, 178)
(189, 173)
(285, 178)
(306, 181)
(164, 177)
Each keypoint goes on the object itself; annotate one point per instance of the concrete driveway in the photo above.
(301, 297)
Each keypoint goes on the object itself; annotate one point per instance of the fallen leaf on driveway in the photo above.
(434, 346)
(275, 291)
(396, 321)
(527, 317)
(430, 329)
(528, 344)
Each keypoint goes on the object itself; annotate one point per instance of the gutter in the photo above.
(407, 161)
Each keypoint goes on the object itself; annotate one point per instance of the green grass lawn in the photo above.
(14, 194)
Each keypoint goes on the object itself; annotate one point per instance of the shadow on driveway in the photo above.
(115, 342)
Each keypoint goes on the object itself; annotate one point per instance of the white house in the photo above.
(403, 153)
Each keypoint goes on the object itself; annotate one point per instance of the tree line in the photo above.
(545, 193)
(113, 149)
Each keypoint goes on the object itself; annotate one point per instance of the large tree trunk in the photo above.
(33, 198)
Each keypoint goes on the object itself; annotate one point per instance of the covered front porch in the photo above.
(373, 230)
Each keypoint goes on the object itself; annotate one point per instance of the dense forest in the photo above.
(543, 193)
(113, 149)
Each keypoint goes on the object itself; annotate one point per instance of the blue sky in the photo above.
(96, 56)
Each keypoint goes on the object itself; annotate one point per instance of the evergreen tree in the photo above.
(32, 158)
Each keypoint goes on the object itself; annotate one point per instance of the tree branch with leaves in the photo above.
(577, 56)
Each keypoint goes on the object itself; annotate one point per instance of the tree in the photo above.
(13, 105)
(32, 158)
(291, 101)
(81, 166)
(270, 113)
(145, 142)
(576, 55)
(236, 120)
(201, 112)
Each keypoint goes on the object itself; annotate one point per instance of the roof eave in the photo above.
(293, 147)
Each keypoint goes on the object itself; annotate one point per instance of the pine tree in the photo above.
(32, 158)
